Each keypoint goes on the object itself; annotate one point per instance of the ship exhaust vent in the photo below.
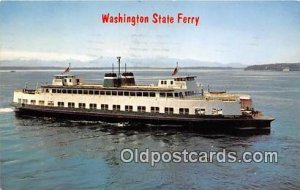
(111, 80)
(117, 79)
(128, 79)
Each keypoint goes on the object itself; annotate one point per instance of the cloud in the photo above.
(45, 56)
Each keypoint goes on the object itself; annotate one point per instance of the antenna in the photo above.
(125, 67)
(119, 62)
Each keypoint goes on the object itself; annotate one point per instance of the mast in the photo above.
(119, 63)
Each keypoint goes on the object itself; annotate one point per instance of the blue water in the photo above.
(47, 154)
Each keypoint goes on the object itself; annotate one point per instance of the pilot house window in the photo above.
(163, 82)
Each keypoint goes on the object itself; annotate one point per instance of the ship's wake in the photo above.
(119, 124)
(6, 110)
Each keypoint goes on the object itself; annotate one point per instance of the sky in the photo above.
(228, 33)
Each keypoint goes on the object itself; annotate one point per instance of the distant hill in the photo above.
(102, 62)
(12, 68)
(275, 67)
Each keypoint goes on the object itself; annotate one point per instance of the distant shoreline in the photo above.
(106, 68)
(264, 67)
(275, 67)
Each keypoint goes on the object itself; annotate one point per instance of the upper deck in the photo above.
(175, 84)
(177, 87)
(123, 84)
(101, 87)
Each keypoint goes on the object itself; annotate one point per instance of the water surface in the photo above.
(47, 154)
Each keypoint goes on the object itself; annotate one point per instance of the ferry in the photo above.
(177, 101)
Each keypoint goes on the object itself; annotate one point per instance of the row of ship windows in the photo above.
(168, 110)
(127, 108)
(121, 93)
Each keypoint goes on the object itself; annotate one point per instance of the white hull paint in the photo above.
(227, 107)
